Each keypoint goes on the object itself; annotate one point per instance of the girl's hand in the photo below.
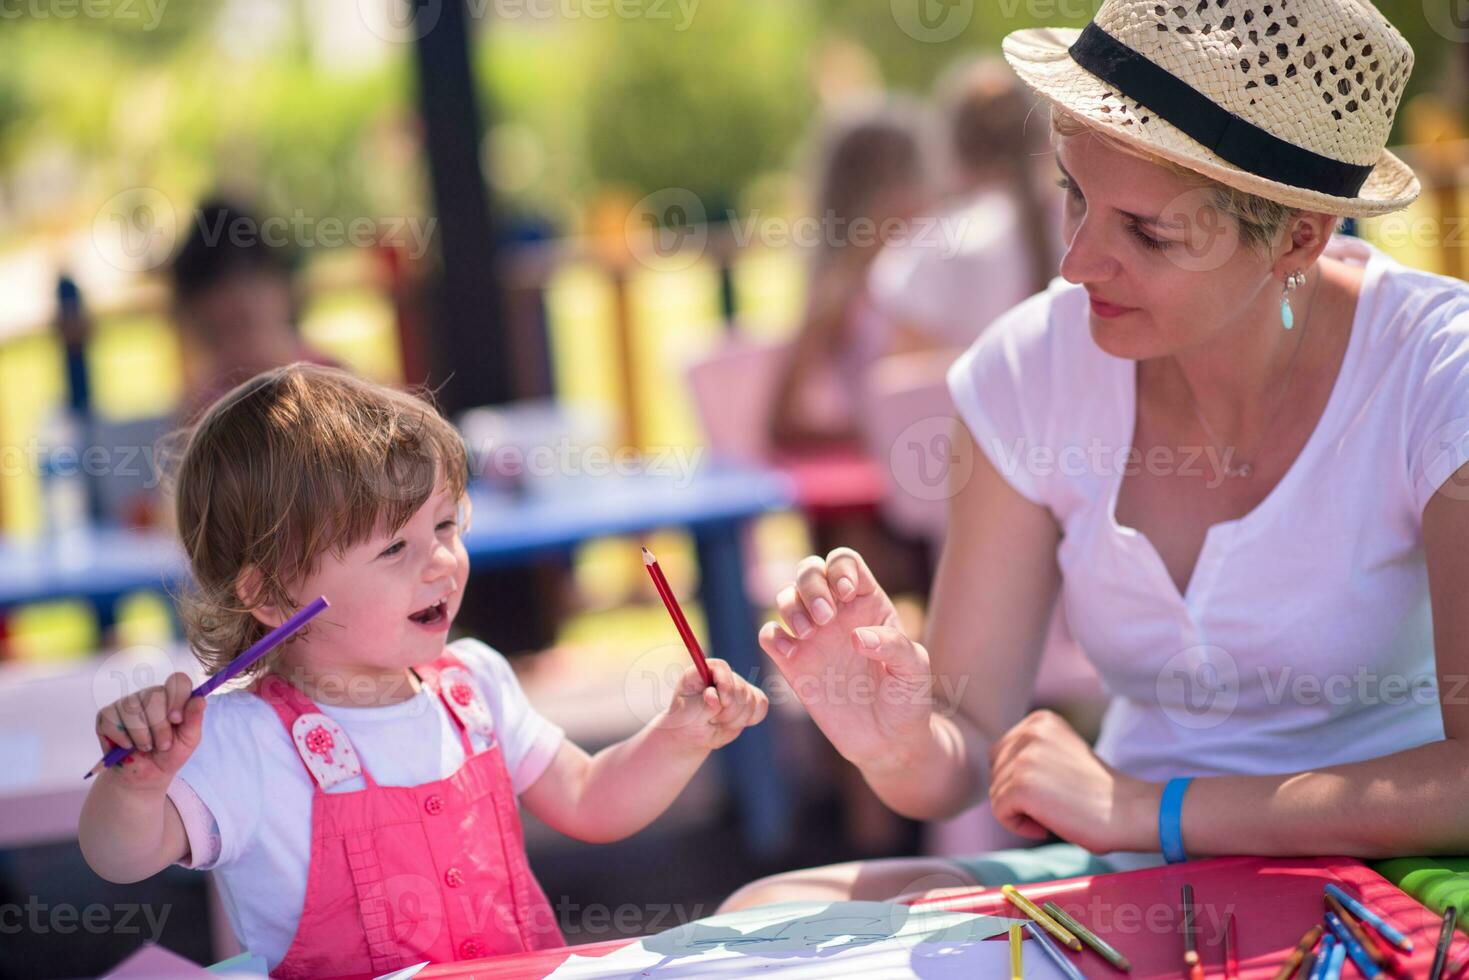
(711, 717)
(162, 725)
(841, 649)
(1045, 778)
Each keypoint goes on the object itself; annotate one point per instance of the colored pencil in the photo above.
(1334, 965)
(1192, 967)
(1384, 928)
(1231, 948)
(670, 602)
(1041, 919)
(1445, 938)
(1374, 949)
(1370, 970)
(1323, 957)
(1102, 947)
(1308, 966)
(1054, 952)
(1299, 954)
(258, 649)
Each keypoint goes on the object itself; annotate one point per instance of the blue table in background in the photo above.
(550, 519)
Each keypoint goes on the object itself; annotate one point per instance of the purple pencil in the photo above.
(260, 648)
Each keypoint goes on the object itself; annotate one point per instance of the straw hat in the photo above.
(1290, 100)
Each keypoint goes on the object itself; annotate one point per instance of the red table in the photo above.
(1274, 901)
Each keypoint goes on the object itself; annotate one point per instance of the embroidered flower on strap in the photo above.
(325, 748)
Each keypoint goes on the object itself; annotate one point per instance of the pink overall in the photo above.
(403, 874)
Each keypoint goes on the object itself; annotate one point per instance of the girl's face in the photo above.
(1164, 270)
(393, 596)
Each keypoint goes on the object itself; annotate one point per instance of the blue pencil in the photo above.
(1354, 949)
(1323, 957)
(1338, 959)
(258, 649)
(1386, 929)
(1051, 950)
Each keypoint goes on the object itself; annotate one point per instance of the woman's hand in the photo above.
(711, 717)
(161, 724)
(1045, 778)
(841, 649)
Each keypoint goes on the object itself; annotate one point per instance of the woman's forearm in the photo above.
(937, 778)
(1410, 802)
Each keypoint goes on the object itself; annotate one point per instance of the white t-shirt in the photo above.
(254, 828)
(1304, 638)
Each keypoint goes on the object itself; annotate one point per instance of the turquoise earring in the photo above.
(1287, 315)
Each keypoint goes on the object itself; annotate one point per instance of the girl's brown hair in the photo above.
(293, 464)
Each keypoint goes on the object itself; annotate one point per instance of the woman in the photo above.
(1233, 444)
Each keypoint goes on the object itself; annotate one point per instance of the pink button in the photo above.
(453, 877)
(434, 805)
(471, 949)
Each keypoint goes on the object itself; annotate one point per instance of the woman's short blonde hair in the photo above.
(294, 464)
(1261, 221)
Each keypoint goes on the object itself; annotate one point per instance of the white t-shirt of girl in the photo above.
(1304, 637)
(245, 794)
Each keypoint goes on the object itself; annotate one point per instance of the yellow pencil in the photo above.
(1017, 956)
(1062, 934)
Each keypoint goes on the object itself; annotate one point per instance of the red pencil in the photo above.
(671, 602)
(1231, 948)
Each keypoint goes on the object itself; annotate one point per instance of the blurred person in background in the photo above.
(235, 303)
(998, 240)
(875, 174)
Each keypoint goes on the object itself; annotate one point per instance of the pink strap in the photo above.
(321, 744)
(461, 696)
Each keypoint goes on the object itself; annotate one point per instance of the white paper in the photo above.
(820, 939)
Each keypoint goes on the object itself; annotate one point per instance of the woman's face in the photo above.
(1164, 270)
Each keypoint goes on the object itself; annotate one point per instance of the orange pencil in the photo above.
(670, 601)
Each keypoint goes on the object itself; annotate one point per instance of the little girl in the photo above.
(358, 802)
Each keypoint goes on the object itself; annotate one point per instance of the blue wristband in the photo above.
(1170, 819)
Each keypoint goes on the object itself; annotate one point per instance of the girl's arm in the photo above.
(129, 829)
(623, 788)
(1410, 802)
(130, 834)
